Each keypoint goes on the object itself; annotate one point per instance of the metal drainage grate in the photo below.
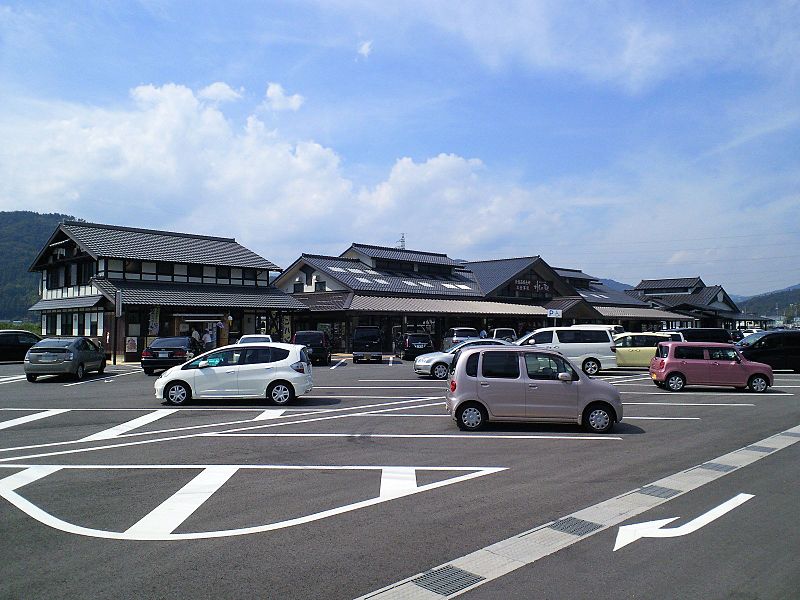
(791, 434)
(764, 449)
(717, 467)
(575, 526)
(658, 491)
(447, 580)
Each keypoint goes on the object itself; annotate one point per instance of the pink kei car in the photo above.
(678, 364)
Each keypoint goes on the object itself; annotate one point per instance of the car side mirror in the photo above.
(202, 364)
(564, 377)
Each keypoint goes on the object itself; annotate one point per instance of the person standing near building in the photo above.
(208, 344)
(195, 334)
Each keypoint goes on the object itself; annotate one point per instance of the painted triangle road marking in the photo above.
(161, 522)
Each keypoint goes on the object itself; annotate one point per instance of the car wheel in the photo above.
(675, 382)
(178, 393)
(148, 371)
(758, 383)
(80, 372)
(598, 418)
(280, 393)
(440, 371)
(591, 366)
(471, 417)
(30, 377)
(102, 367)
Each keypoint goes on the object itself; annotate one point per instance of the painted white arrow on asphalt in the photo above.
(654, 529)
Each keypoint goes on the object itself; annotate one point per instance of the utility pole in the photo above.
(401, 243)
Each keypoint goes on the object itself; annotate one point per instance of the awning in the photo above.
(62, 303)
(623, 312)
(437, 306)
(200, 295)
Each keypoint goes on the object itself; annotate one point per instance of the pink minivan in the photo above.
(678, 364)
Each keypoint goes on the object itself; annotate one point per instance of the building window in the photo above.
(93, 324)
(52, 279)
(165, 268)
(319, 286)
(81, 323)
(66, 323)
(299, 287)
(133, 269)
(85, 272)
(50, 324)
(195, 273)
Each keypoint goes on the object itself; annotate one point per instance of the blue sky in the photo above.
(630, 139)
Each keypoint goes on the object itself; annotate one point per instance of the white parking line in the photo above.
(122, 428)
(276, 423)
(12, 377)
(435, 436)
(168, 515)
(13, 380)
(627, 418)
(339, 364)
(379, 387)
(102, 378)
(742, 394)
(270, 413)
(391, 360)
(683, 404)
(34, 417)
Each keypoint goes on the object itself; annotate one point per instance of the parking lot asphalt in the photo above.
(365, 487)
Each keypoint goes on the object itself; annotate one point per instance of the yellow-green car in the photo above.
(636, 349)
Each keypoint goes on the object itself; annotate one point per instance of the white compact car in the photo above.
(277, 372)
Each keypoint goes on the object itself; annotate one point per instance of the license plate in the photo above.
(47, 358)
(419, 345)
(163, 355)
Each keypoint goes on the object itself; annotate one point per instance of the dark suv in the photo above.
(167, 352)
(778, 349)
(15, 343)
(412, 345)
(367, 341)
(318, 344)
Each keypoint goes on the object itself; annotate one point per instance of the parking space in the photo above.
(369, 457)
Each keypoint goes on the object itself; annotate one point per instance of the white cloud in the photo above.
(365, 48)
(219, 92)
(172, 160)
(276, 98)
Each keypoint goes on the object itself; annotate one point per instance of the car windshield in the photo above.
(255, 339)
(465, 332)
(54, 343)
(169, 342)
(418, 337)
(751, 339)
(308, 337)
(366, 334)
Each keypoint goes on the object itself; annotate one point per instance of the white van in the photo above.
(591, 348)
(614, 329)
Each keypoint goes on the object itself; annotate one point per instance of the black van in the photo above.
(778, 349)
(318, 344)
(367, 343)
(700, 334)
(412, 345)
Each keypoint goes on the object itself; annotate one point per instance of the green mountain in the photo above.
(22, 235)
(787, 302)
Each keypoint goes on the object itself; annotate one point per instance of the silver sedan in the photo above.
(437, 364)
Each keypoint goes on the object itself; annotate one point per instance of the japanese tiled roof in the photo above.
(181, 294)
(491, 274)
(325, 301)
(657, 284)
(401, 254)
(59, 303)
(598, 294)
(360, 277)
(627, 312)
(113, 241)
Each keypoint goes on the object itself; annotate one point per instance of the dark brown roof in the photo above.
(417, 256)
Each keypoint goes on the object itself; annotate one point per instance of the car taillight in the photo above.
(661, 364)
(179, 353)
(147, 354)
(300, 367)
(453, 385)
